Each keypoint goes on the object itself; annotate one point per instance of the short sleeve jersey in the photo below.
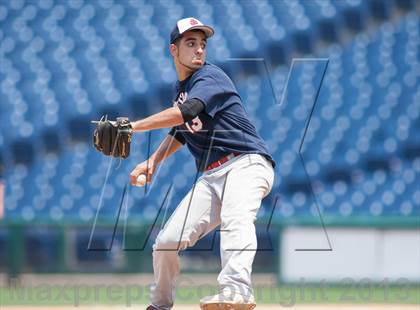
(224, 126)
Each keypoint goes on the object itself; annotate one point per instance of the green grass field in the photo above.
(127, 295)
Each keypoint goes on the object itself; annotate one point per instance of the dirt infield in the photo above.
(263, 307)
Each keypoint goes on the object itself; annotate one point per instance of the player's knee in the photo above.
(169, 243)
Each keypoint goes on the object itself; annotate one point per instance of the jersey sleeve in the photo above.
(207, 89)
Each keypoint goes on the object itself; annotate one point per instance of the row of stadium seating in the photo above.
(65, 188)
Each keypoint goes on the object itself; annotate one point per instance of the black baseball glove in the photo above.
(113, 138)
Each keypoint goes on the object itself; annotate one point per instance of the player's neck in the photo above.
(183, 71)
(184, 74)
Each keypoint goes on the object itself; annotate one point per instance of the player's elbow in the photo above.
(191, 108)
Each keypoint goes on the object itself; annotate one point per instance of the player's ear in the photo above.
(173, 49)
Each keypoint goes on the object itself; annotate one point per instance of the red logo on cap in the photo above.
(193, 22)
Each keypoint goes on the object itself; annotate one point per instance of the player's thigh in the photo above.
(245, 187)
(197, 214)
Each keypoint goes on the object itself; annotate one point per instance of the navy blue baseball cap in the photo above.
(190, 23)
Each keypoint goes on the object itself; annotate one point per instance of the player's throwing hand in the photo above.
(146, 168)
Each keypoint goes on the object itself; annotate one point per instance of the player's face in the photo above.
(191, 50)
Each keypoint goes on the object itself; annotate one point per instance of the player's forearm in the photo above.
(165, 119)
(168, 146)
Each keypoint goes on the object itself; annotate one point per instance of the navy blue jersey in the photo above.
(224, 126)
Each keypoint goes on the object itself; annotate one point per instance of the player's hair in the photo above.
(176, 42)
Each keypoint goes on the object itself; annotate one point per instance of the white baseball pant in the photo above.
(229, 195)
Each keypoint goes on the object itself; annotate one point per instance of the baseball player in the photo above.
(237, 172)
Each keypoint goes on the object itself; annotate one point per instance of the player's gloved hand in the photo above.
(113, 137)
(147, 168)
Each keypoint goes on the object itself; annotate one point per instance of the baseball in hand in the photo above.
(141, 180)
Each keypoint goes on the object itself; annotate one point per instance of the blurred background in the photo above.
(331, 85)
